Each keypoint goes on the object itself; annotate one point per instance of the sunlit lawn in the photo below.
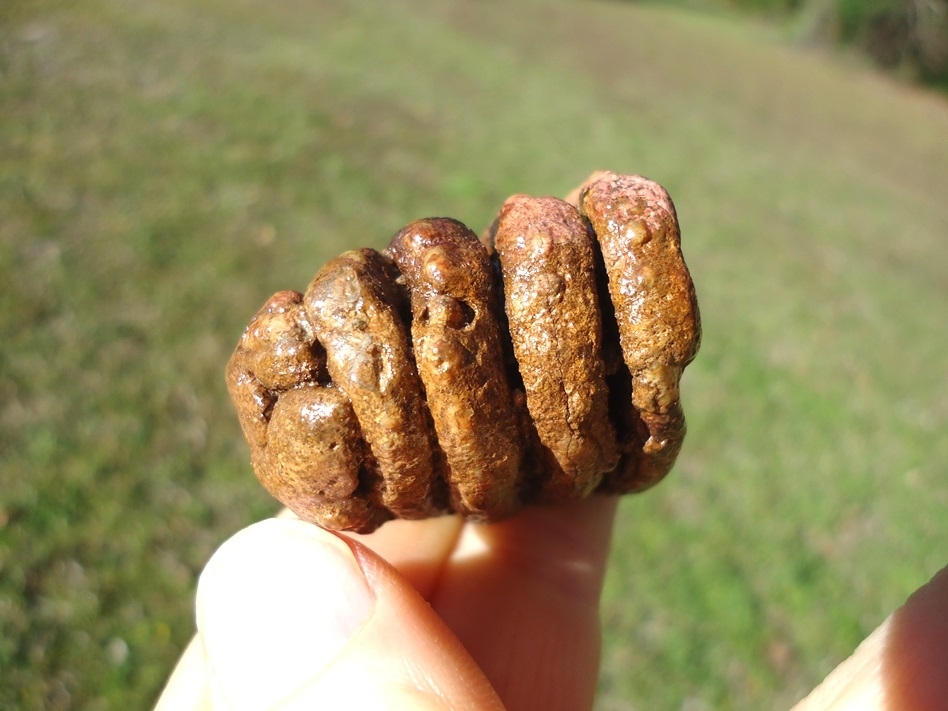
(165, 167)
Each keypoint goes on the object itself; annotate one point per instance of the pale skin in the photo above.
(442, 614)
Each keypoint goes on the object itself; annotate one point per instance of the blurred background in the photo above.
(166, 166)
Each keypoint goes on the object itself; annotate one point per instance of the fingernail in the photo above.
(276, 604)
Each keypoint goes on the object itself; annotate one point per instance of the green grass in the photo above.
(165, 167)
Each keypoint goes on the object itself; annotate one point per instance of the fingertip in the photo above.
(900, 665)
(291, 615)
(275, 604)
(916, 656)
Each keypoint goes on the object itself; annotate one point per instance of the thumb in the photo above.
(292, 616)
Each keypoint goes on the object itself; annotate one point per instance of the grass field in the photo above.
(164, 167)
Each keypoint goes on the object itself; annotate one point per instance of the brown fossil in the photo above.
(450, 374)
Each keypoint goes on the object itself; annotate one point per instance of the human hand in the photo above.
(441, 614)
(901, 666)
(435, 614)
